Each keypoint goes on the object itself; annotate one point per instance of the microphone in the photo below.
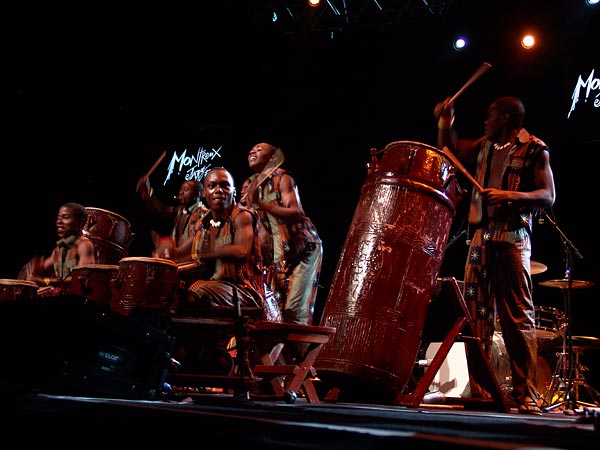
(541, 220)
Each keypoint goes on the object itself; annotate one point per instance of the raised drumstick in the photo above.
(152, 169)
(478, 73)
(158, 161)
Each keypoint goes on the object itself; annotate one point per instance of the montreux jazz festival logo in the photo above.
(193, 167)
(586, 87)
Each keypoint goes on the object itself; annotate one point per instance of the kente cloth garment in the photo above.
(497, 270)
(218, 283)
(185, 222)
(297, 256)
(66, 256)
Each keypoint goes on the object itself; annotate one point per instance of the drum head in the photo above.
(148, 260)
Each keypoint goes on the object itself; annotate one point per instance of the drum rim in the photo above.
(8, 281)
(108, 211)
(415, 143)
(149, 260)
(97, 266)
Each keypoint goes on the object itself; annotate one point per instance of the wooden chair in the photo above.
(285, 354)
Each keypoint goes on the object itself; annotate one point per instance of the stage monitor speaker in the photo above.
(71, 346)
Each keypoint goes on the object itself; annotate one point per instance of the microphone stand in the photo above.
(570, 400)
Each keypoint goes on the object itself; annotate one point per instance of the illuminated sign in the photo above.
(591, 88)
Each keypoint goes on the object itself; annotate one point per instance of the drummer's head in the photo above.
(259, 156)
(190, 192)
(70, 219)
(219, 189)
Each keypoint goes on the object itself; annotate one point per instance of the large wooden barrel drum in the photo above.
(388, 268)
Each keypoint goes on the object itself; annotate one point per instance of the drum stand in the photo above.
(564, 386)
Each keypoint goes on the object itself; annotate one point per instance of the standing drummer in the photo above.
(53, 273)
(174, 244)
(513, 168)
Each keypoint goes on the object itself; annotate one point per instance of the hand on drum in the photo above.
(165, 249)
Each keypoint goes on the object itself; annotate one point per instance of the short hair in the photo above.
(197, 185)
(515, 109)
(79, 211)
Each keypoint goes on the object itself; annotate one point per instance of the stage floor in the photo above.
(223, 420)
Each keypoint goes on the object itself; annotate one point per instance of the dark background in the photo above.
(96, 92)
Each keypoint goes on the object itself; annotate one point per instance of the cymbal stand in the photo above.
(562, 392)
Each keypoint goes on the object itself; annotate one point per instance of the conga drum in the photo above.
(387, 272)
(12, 290)
(111, 234)
(147, 285)
(94, 282)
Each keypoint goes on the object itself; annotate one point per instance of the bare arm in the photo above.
(241, 248)
(86, 251)
(542, 197)
(464, 149)
(291, 208)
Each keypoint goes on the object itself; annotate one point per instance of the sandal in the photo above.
(530, 407)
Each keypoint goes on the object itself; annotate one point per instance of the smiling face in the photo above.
(259, 156)
(68, 223)
(219, 190)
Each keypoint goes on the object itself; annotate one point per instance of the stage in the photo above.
(221, 420)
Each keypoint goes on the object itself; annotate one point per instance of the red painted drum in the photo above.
(388, 268)
(148, 283)
(11, 290)
(110, 233)
(94, 282)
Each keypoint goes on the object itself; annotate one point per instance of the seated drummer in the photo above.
(53, 273)
(226, 242)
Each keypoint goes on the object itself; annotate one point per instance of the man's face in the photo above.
(495, 123)
(66, 223)
(219, 190)
(187, 194)
(259, 156)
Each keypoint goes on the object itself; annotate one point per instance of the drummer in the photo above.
(226, 243)
(512, 168)
(73, 248)
(179, 220)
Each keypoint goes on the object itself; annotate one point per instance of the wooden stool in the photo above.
(286, 353)
(210, 333)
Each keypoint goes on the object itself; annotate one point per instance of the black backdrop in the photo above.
(95, 95)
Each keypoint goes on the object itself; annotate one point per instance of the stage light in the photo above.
(592, 2)
(314, 3)
(460, 43)
(528, 41)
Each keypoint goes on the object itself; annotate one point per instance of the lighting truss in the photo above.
(298, 16)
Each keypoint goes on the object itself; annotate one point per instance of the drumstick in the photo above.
(153, 168)
(478, 73)
(446, 151)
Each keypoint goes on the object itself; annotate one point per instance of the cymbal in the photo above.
(579, 342)
(537, 267)
(564, 284)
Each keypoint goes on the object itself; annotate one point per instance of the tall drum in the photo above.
(110, 233)
(387, 271)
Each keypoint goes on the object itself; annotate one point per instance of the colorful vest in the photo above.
(250, 273)
(289, 239)
(66, 256)
(518, 175)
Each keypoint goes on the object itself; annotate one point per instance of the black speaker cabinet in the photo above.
(71, 346)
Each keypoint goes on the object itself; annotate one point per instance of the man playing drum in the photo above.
(179, 220)
(514, 175)
(53, 273)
